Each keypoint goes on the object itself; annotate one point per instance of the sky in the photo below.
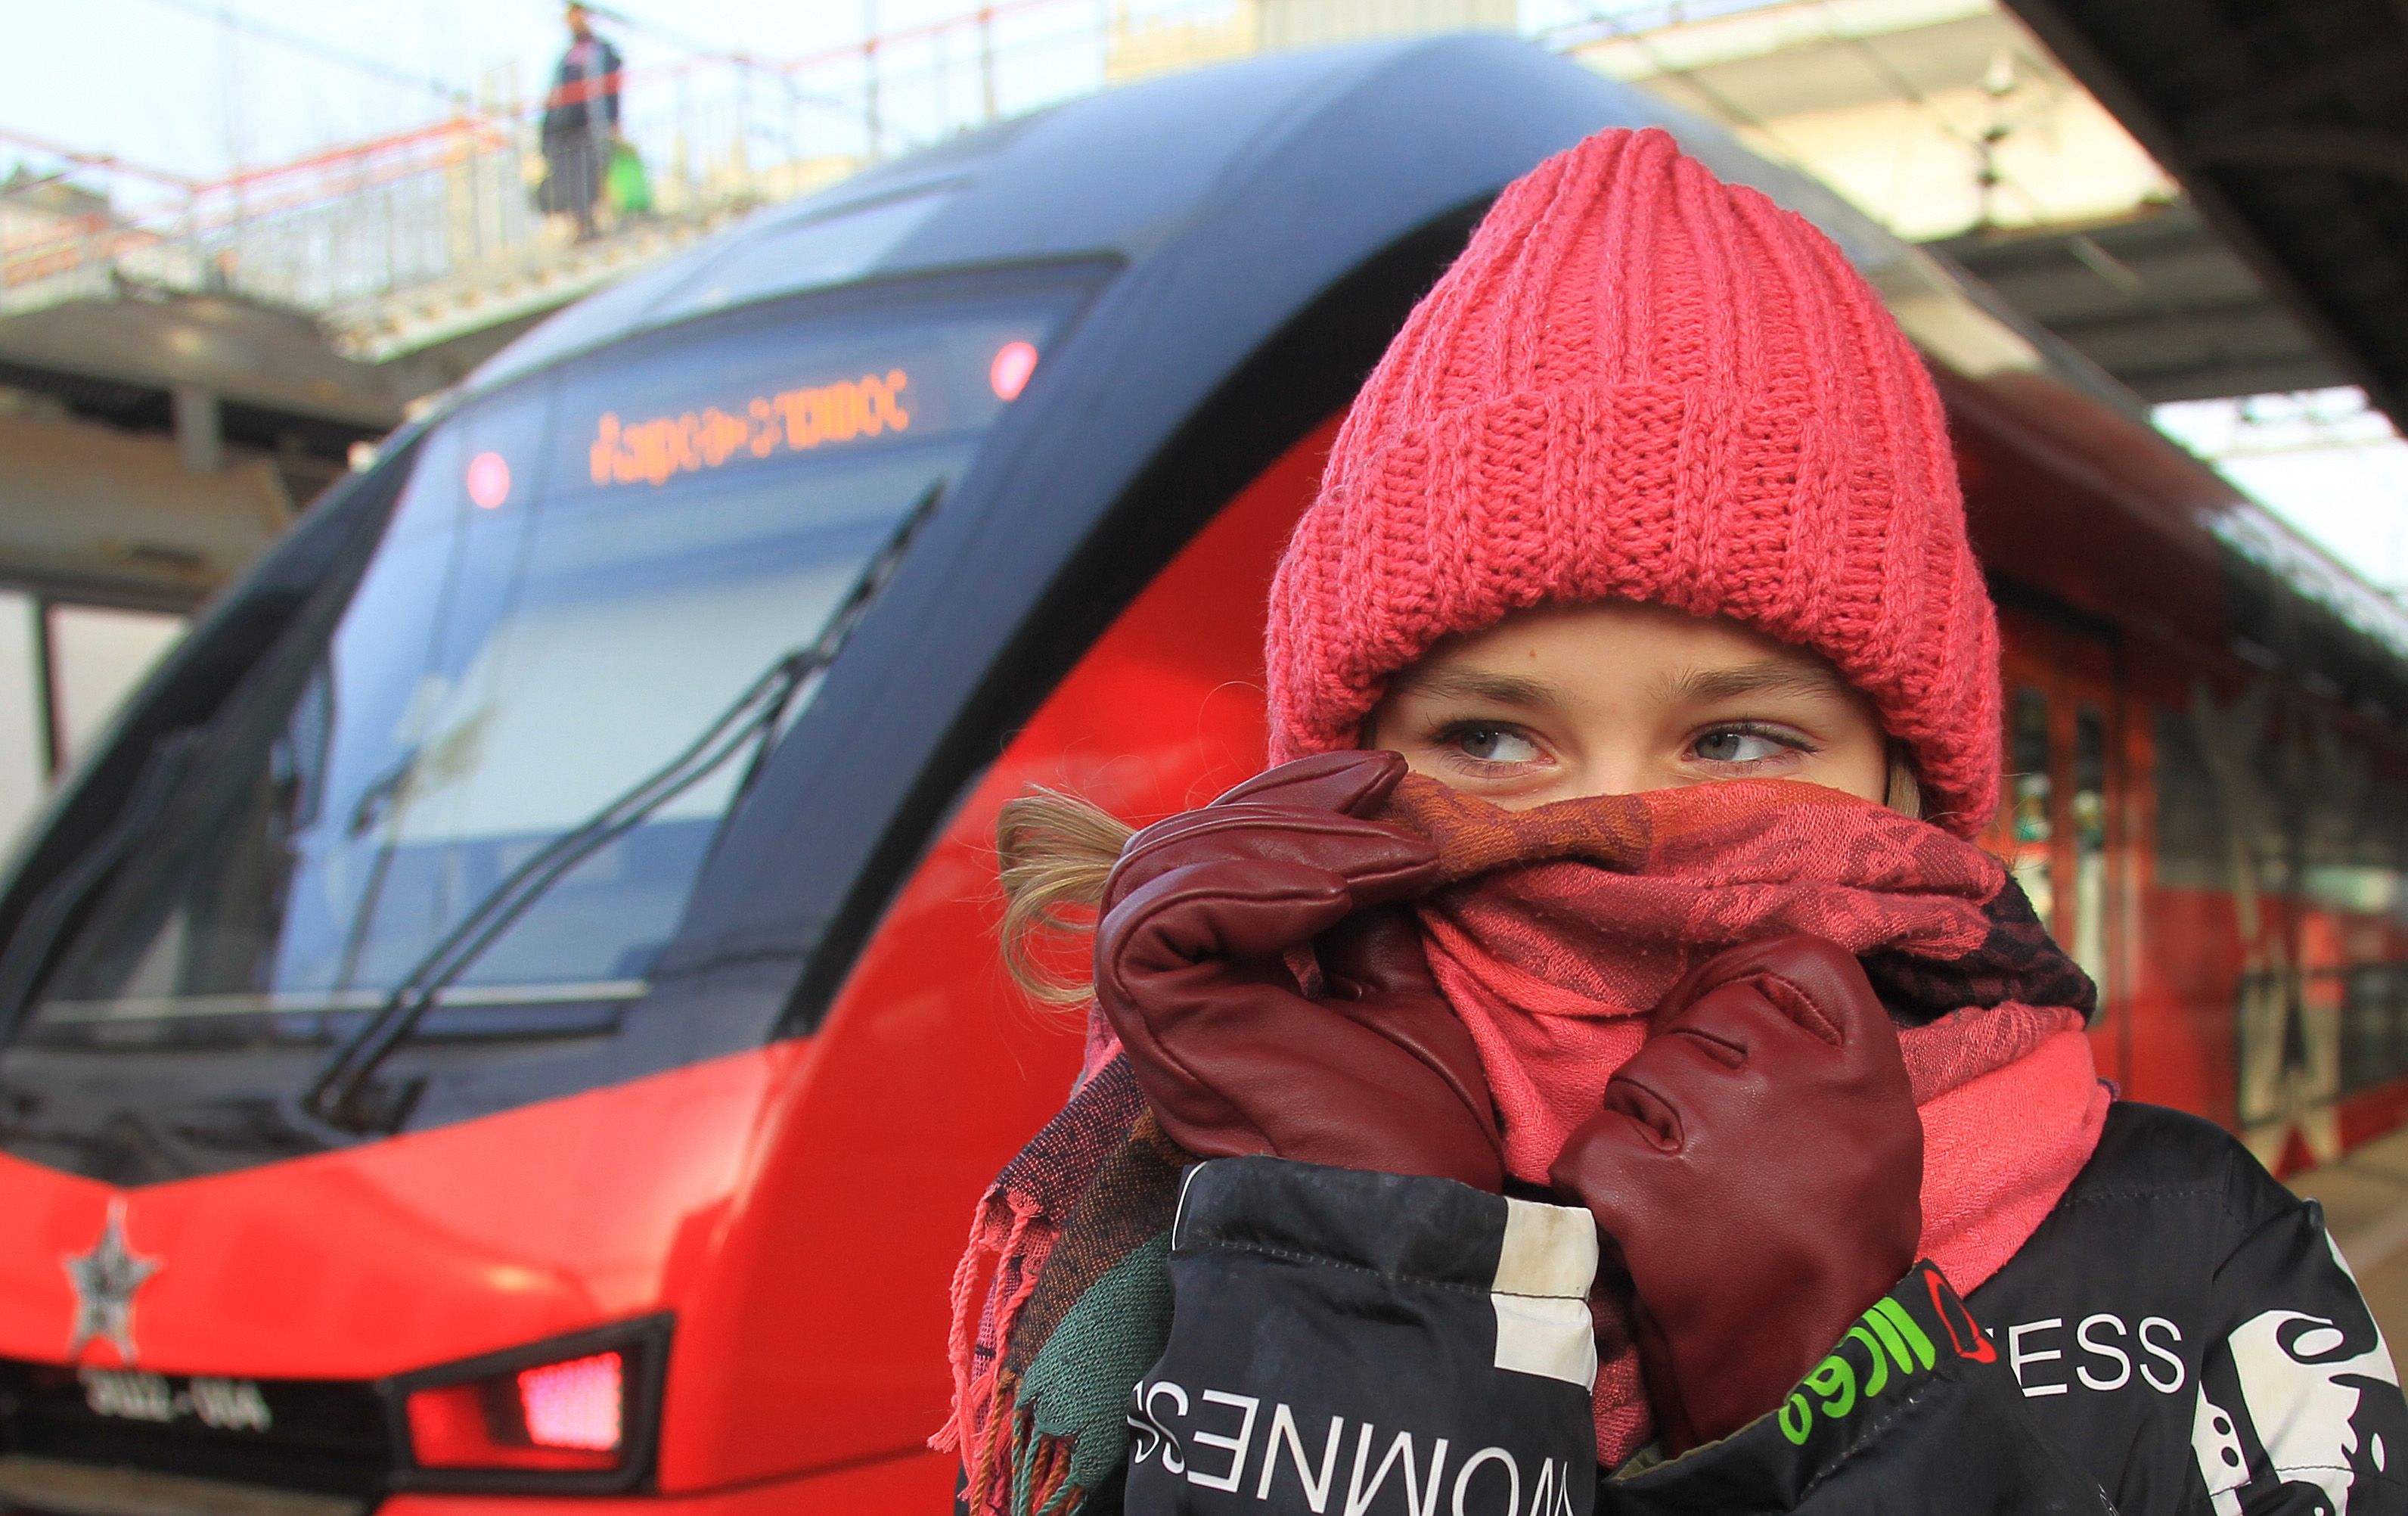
(162, 83)
(158, 82)
(173, 86)
(2323, 461)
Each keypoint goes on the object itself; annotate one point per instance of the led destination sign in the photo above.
(658, 448)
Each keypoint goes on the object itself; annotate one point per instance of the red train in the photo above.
(511, 1014)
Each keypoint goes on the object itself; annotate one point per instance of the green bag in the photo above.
(626, 185)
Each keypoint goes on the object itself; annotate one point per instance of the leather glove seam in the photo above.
(1168, 900)
(1776, 976)
(1316, 823)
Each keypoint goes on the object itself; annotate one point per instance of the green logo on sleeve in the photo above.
(1889, 1336)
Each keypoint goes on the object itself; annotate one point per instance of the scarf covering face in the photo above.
(1556, 932)
(1562, 926)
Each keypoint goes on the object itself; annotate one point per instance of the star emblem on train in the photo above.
(105, 1281)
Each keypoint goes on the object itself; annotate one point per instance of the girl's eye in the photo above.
(1492, 744)
(1741, 744)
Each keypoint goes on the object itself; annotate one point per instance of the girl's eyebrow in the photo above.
(1772, 676)
(1474, 684)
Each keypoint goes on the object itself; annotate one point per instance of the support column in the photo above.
(200, 430)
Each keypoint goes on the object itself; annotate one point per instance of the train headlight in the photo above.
(577, 1404)
(574, 1413)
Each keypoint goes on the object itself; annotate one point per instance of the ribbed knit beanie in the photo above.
(1640, 383)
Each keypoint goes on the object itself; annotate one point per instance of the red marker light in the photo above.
(447, 1428)
(489, 480)
(1013, 363)
(573, 1404)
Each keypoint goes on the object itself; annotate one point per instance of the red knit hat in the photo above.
(1640, 383)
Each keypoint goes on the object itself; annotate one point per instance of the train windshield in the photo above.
(583, 578)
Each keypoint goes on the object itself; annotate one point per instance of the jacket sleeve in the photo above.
(2300, 1408)
(1356, 1344)
(1350, 1344)
(1913, 1410)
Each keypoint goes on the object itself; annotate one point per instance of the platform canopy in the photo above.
(2288, 125)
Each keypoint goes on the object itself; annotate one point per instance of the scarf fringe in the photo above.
(982, 1466)
(999, 1227)
(1037, 1465)
(1044, 1465)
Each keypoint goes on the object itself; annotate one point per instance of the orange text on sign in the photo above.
(655, 450)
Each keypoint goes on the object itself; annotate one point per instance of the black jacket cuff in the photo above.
(1336, 1332)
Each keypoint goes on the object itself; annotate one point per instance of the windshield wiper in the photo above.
(36, 937)
(755, 713)
(337, 1097)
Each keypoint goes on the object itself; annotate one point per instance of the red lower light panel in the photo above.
(568, 1415)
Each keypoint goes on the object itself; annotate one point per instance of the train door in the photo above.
(2063, 827)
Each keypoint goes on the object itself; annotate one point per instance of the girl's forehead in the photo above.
(1623, 644)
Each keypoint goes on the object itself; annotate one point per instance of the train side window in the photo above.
(2370, 1020)
(2090, 820)
(24, 723)
(2030, 825)
(98, 655)
(2190, 851)
(2391, 1016)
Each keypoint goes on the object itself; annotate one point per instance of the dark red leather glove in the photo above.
(1196, 962)
(1757, 1168)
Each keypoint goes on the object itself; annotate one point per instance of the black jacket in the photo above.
(584, 90)
(2179, 1336)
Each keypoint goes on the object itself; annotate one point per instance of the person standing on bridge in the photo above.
(1596, 1070)
(580, 124)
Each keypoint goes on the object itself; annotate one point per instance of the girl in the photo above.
(1619, 1082)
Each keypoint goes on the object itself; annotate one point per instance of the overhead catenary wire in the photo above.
(324, 52)
(682, 41)
(699, 49)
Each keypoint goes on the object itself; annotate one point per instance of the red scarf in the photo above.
(1561, 927)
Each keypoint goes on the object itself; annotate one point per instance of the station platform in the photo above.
(2365, 1197)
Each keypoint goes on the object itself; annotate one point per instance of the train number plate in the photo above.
(132, 1395)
